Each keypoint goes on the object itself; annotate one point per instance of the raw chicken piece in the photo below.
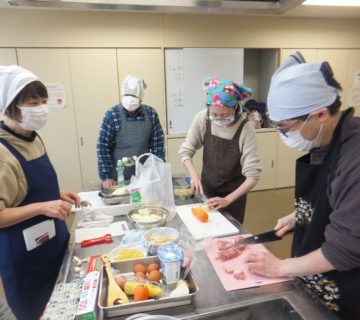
(228, 269)
(232, 253)
(239, 275)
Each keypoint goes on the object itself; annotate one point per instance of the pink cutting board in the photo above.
(238, 264)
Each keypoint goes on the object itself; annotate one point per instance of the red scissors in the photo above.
(90, 242)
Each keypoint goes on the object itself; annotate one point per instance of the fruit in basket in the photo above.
(154, 275)
(200, 214)
(154, 291)
(141, 293)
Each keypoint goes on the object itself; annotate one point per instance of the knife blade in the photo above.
(261, 238)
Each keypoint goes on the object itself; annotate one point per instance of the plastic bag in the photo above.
(153, 179)
(90, 217)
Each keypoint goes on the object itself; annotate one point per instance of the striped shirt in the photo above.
(110, 127)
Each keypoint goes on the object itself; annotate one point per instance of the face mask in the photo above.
(130, 103)
(295, 140)
(221, 122)
(34, 118)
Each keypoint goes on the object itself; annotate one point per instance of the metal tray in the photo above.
(142, 306)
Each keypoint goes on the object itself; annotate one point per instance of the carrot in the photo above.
(200, 214)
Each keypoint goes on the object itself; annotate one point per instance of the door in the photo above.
(267, 148)
(59, 135)
(95, 89)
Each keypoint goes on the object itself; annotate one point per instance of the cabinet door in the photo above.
(173, 146)
(354, 66)
(147, 64)
(267, 148)
(95, 89)
(59, 135)
(285, 169)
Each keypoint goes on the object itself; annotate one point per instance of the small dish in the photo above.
(183, 192)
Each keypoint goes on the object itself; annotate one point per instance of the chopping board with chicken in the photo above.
(227, 258)
(213, 225)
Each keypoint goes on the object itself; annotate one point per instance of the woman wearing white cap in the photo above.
(304, 103)
(128, 129)
(33, 234)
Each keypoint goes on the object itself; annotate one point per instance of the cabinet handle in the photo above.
(272, 163)
(82, 141)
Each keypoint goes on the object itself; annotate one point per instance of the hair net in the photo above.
(134, 86)
(298, 88)
(12, 80)
(225, 93)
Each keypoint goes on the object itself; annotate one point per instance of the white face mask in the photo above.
(295, 140)
(130, 103)
(221, 122)
(34, 118)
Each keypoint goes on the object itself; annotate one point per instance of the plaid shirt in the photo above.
(110, 127)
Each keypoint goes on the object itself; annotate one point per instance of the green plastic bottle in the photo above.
(135, 197)
(120, 173)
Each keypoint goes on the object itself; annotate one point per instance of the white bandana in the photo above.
(298, 88)
(12, 80)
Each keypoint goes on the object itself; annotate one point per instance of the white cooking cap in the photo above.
(12, 80)
(134, 86)
(298, 88)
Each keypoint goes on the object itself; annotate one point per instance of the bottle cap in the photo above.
(119, 163)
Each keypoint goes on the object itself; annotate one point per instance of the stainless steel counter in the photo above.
(213, 302)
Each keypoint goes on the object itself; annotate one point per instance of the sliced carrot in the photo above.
(200, 214)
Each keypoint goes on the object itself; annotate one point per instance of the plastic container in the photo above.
(170, 256)
(128, 252)
(120, 173)
(157, 236)
(148, 217)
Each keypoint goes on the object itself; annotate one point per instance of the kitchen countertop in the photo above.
(212, 301)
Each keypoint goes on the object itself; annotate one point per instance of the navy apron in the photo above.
(29, 276)
(133, 139)
(222, 172)
(340, 291)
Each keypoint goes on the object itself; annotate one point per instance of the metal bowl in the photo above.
(110, 197)
(146, 211)
(183, 192)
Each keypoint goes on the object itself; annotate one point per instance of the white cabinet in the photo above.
(95, 89)
(59, 135)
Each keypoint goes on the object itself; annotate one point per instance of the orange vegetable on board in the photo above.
(200, 214)
(141, 293)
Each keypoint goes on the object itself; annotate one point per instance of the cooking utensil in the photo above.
(90, 242)
(110, 196)
(261, 238)
(138, 216)
(114, 292)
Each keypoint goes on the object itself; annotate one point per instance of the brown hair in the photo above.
(33, 90)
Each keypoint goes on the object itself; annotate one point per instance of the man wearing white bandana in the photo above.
(33, 234)
(304, 105)
(128, 129)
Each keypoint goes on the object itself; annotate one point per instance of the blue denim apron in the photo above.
(29, 276)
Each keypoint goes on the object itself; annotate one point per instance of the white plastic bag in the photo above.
(154, 180)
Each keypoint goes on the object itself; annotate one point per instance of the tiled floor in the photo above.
(262, 211)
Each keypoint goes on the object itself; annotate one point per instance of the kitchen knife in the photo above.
(261, 238)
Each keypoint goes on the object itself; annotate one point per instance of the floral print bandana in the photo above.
(225, 92)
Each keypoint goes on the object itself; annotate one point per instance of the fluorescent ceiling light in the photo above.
(339, 3)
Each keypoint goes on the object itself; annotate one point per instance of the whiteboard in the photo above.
(185, 71)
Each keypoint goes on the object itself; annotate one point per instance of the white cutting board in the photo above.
(217, 226)
(115, 229)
